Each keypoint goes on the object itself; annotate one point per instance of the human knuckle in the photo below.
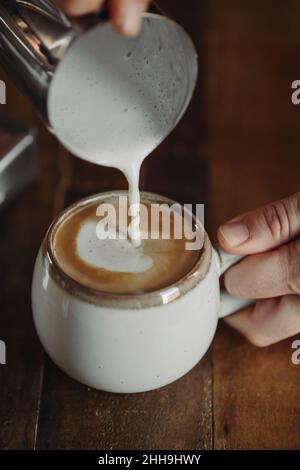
(294, 202)
(76, 7)
(258, 317)
(68, 6)
(291, 267)
(257, 339)
(296, 199)
(251, 329)
(276, 219)
(294, 205)
(234, 288)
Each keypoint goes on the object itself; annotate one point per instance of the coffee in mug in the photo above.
(114, 264)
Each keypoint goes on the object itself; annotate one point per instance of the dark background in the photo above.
(236, 148)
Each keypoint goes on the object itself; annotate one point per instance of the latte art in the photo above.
(115, 264)
(113, 255)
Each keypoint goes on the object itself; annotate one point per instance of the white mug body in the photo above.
(127, 346)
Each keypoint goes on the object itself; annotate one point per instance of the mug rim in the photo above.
(138, 300)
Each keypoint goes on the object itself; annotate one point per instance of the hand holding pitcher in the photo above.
(125, 14)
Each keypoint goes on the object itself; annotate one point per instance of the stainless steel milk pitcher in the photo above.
(35, 37)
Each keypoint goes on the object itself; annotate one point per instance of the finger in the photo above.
(265, 275)
(127, 15)
(262, 229)
(79, 7)
(268, 321)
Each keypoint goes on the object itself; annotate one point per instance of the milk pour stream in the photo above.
(116, 112)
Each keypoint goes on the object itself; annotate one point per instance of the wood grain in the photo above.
(175, 417)
(236, 148)
(23, 224)
(254, 158)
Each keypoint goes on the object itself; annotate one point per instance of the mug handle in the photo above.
(229, 304)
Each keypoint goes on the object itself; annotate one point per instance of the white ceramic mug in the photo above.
(128, 343)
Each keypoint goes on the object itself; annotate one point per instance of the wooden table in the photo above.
(237, 147)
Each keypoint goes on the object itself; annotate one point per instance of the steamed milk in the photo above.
(108, 106)
(116, 265)
(115, 112)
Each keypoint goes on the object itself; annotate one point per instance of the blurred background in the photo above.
(236, 148)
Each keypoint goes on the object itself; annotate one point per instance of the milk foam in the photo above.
(112, 99)
(113, 255)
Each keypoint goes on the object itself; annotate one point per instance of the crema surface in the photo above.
(114, 264)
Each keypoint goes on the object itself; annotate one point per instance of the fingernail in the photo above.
(234, 233)
(130, 19)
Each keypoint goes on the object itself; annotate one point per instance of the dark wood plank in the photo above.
(23, 224)
(174, 417)
(254, 152)
(178, 416)
(256, 395)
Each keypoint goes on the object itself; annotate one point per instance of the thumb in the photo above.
(262, 229)
(79, 7)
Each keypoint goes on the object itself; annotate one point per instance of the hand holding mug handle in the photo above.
(269, 238)
(229, 304)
